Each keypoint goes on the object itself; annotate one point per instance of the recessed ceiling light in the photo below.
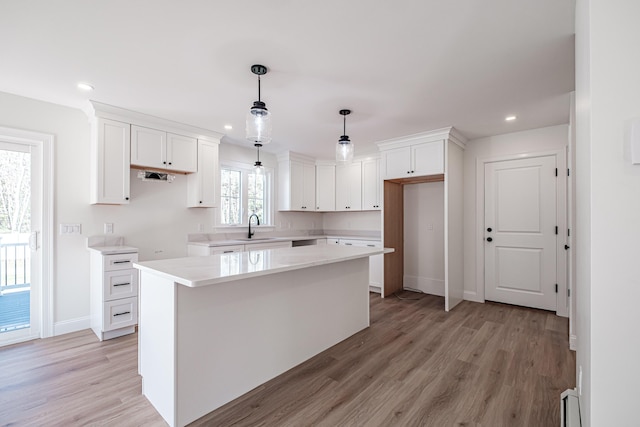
(228, 127)
(510, 118)
(85, 86)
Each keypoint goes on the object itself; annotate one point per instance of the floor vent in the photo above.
(570, 409)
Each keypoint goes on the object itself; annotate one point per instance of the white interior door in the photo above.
(20, 241)
(520, 232)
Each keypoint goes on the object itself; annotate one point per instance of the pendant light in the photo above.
(344, 148)
(257, 166)
(258, 118)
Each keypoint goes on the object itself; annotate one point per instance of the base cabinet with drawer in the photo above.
(114, 293)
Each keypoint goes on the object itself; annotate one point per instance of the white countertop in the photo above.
(245, 241)
(111, 250)
(209, 270)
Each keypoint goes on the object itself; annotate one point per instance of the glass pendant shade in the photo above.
(259, 124)
(344, 150)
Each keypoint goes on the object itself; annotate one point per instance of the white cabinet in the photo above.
(110, 151)
(375, 261)
(163, 150)
(201, 250)
(202, 186)
(371, 185)
(296, 183)
(325, 188)
(266, 245)
(349, 187)
(114, 294)
(417, 159)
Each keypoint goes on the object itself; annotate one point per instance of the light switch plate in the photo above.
(108, 228)
(70, 228)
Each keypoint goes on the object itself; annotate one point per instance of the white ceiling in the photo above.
(402, 66)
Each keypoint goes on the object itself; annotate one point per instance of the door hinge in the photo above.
(556, 171)
(556, 229)
(569, 293)
(569, 232)
(556, 288)
(568, 172)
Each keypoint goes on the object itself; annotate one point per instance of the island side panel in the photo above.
(156, 343)
(234, 336)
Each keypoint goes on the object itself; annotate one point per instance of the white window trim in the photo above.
(245, 167)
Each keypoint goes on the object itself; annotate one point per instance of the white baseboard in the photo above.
(472, 296)
(573, 342)
(72, 325)
(424, 284)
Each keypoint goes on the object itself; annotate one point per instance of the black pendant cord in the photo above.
(344, 125)
(258, 88)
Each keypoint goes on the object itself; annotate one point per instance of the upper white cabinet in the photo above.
(325, 188)
(163, 150)
(296, 183)
(413, 159)
(123, 138)
(202, 185)
(371, 185)
(110, 150)
(349, 187)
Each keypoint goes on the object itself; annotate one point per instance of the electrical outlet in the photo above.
(200, 228)
(429, 227)
(108, 228)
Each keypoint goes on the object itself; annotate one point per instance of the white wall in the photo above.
(607, 96)
(424, 237)
(353, 221)
(531, 141)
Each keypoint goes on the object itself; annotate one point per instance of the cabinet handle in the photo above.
(126, 198)
(412, 171)
(122, 262)
(164, 163)
(200, 201)
(121, 284)
(227, 252)
(408, 171)
(122, 314)
(170, 163)
(372, 246)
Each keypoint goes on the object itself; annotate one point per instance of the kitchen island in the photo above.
(212, 328)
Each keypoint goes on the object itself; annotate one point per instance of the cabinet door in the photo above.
(111, 148)
(371, 184)
(325, 188)
(148, 147)
(182, 153)
(296, 182)
(396, 163)
(202, 185)
(309, 187)
(428, 158)
(349, 187)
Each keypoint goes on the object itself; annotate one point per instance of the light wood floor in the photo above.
(480, 365)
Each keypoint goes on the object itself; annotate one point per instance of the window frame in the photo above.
(269, 201)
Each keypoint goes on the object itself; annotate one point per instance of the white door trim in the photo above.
(561, 206)
(45, 143)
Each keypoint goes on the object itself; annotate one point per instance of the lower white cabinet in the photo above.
(201, 250)
(375, 262)
(114, 293)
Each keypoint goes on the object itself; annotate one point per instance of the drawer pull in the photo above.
(121, 284)
(348, 244)
(372, 246)
(227, 252)
(122, 262)
(122, 314)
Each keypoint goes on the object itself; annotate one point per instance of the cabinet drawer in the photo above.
(119, 261)
(120, 313)
(215, 250)
(120, 284)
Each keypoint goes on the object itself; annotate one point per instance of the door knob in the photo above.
(489, 239)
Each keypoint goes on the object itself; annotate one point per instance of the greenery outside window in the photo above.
(244, 192)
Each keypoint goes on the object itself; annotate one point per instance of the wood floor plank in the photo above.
(417, 365)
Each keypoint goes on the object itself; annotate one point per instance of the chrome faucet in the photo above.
(257, 223)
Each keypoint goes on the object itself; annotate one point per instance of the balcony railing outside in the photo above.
(15, 286)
